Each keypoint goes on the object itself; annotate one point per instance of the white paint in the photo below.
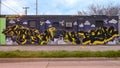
(113, 21)
(57, 41)
(48, 22)
(75, 23)
(112, 42)
(9, 41)
(25, 23)
(87, 23)
(106, 21)
(12, 21)
(92, 25)
(81, 25)
(62, 23)
(50, 26)
(41, 23)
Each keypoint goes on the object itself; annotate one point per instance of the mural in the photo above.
(101, 35)
(88, 31)
(23, 35)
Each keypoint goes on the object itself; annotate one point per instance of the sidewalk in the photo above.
(9, 60)
(61, 48)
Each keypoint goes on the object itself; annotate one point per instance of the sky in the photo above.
(50, 7)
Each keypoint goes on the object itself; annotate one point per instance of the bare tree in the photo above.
(111, 10)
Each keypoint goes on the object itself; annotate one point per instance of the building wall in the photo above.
(119, 27)
(64, 29)
(2, 27)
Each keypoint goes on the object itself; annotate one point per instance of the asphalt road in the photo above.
(64, 64)
(61, 47)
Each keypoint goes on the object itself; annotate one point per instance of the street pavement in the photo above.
(63, 64)
(60, 47)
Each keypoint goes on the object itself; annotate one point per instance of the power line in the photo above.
(22, 2)
(12, 7)
(9, 8)
(33, 3)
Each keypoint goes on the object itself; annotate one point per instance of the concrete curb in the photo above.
(59, 48)
(13, 60)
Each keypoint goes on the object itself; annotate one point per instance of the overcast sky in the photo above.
(51, 7)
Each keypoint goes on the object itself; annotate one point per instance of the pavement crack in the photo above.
(47, 65)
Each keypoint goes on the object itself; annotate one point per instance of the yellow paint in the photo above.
(23, 36)
(111, 38)
(51, 30)
(12, 33)
(24, 41)
(43, 42)
(22, 27)
(73, 42)
(33, 42)
(85, 43)
(93, 33)
(98, 42)
(39, 37)
(16, 26)
(66, 40)
(36, 31)
(98, 33)
(81, 34)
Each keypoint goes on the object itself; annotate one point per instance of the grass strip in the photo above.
(58, 54)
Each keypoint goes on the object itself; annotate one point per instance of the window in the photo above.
(55, 24)
(68, 24)
(99, 23)
(32, 23)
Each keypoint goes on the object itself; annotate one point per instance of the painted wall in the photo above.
(2, 27)
(24, 35)
(119, 27)
(62, 30)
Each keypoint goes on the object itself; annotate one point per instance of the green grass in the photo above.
(58, 54)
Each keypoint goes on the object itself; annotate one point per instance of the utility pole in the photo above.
(26, 8)
(36, 7)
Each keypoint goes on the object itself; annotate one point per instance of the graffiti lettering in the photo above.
(24, 35)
